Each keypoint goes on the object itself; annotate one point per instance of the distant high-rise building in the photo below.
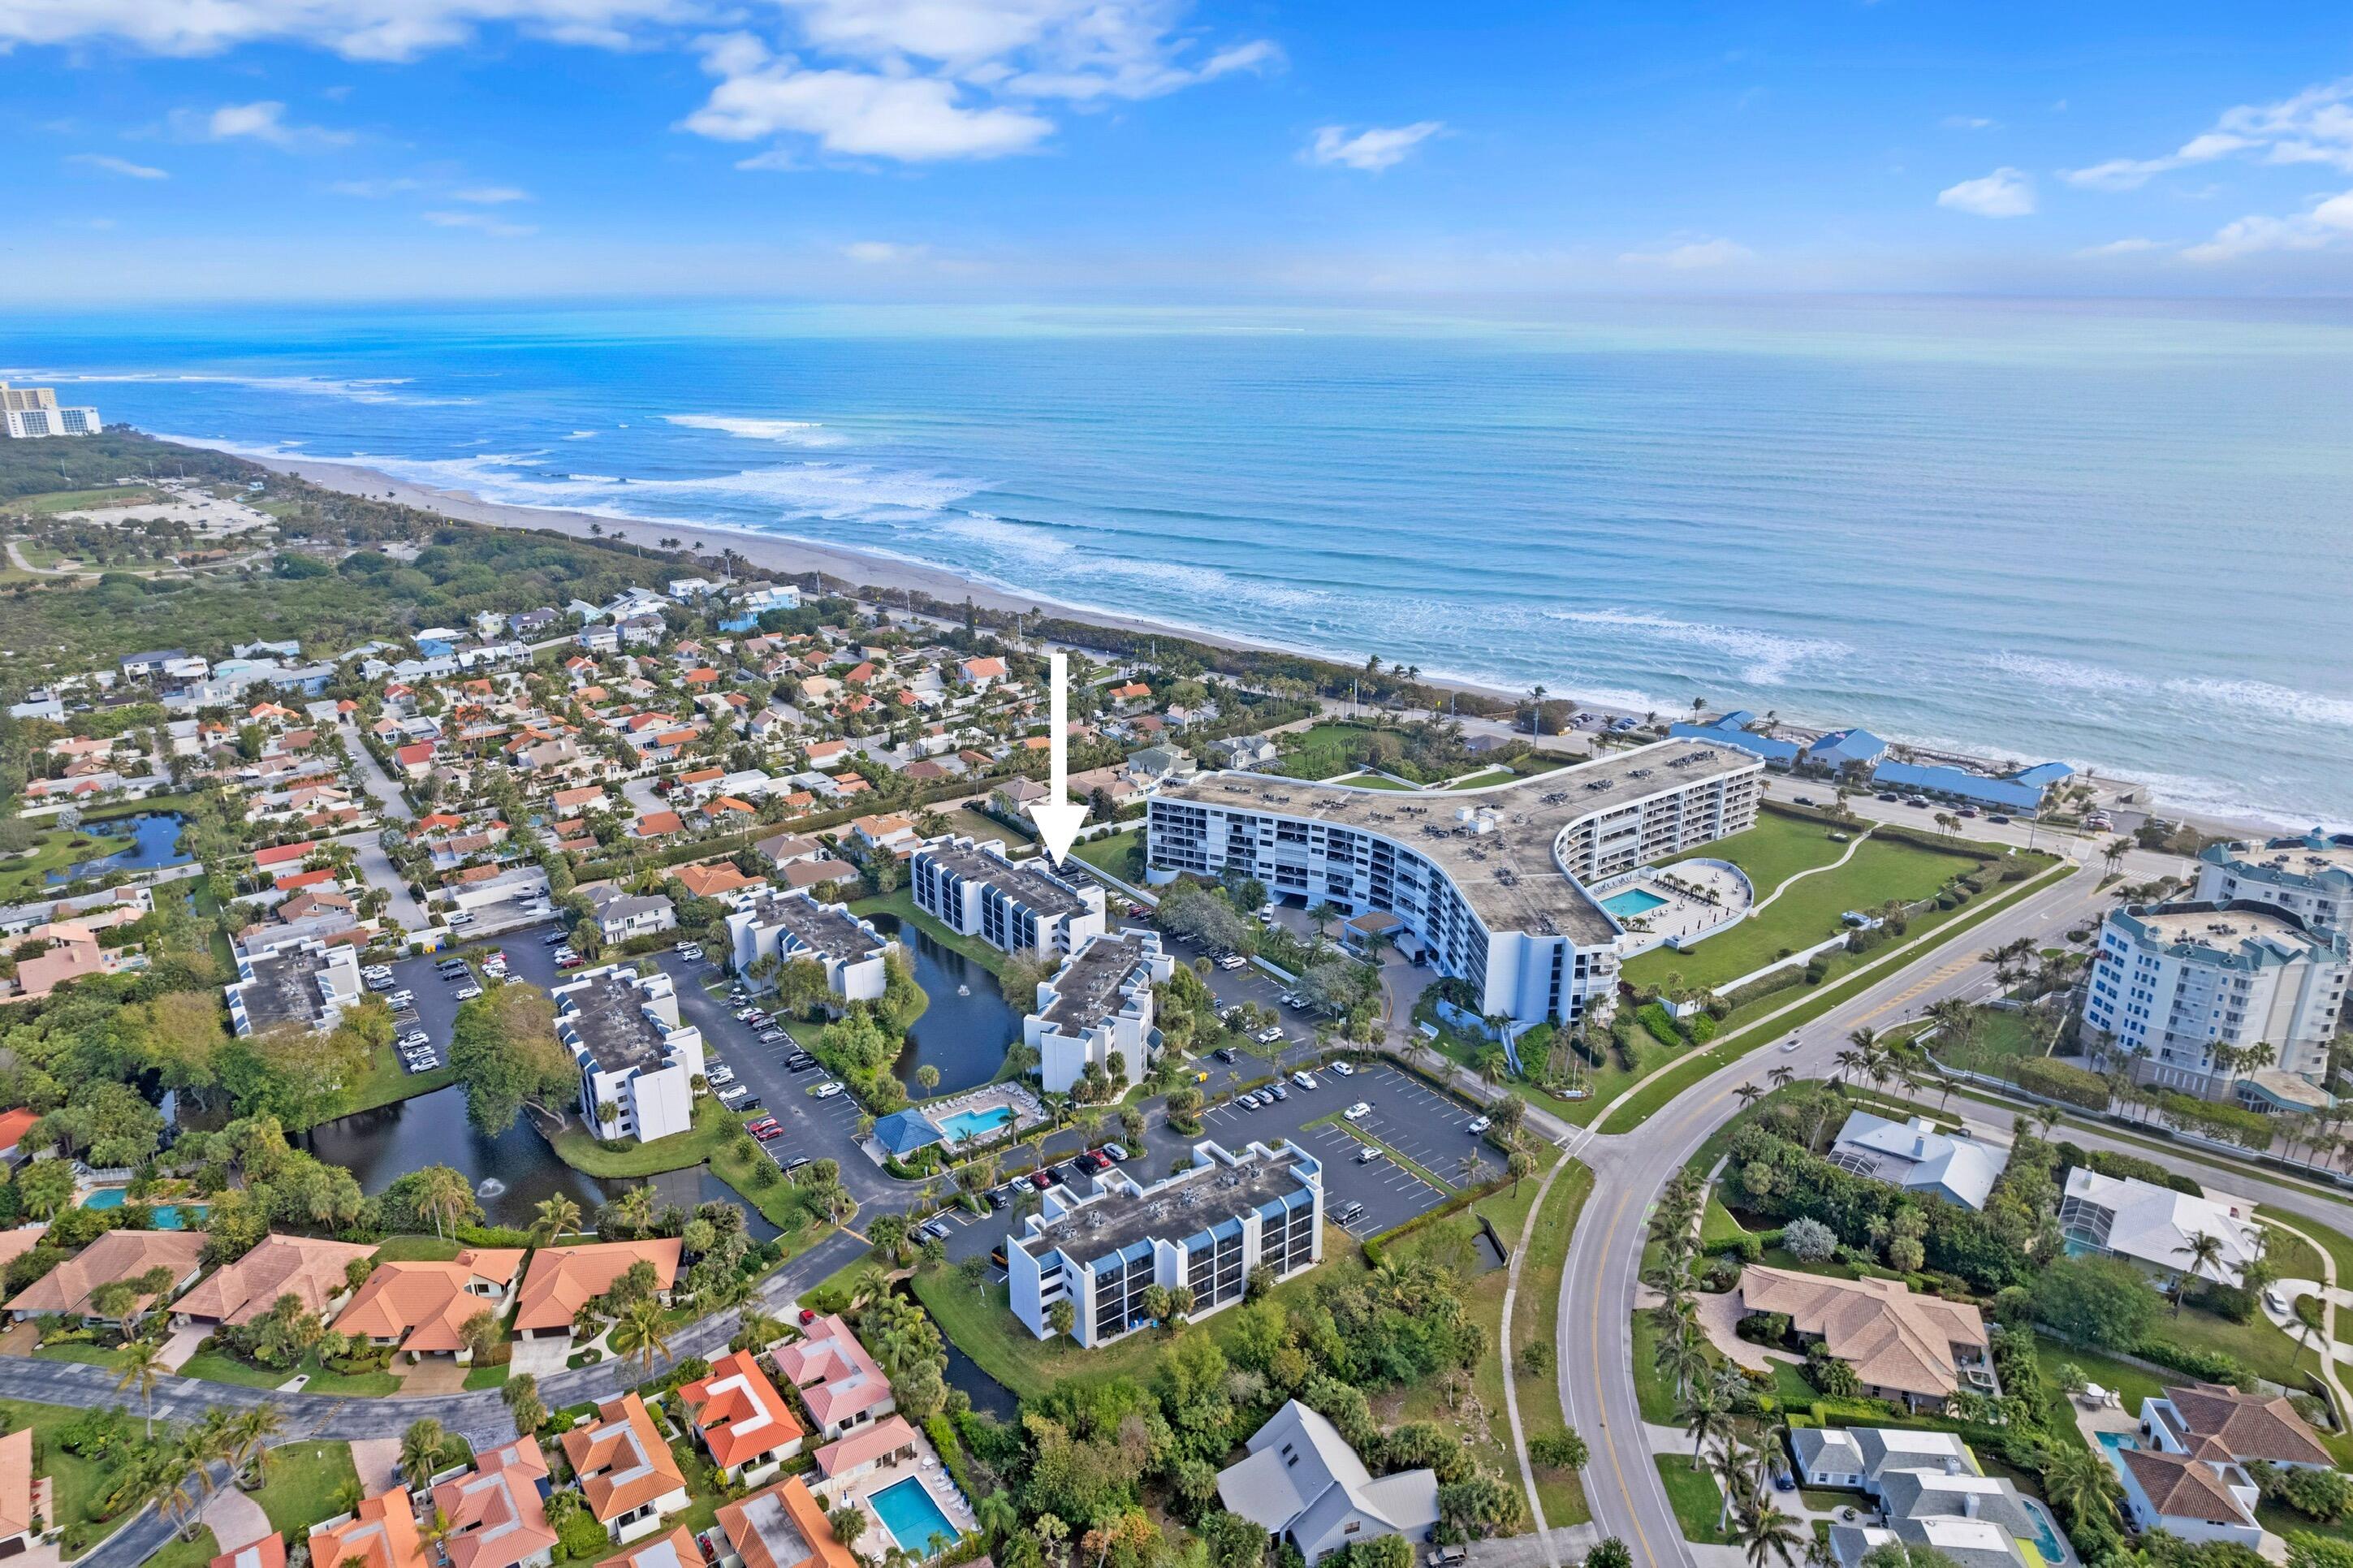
(34, 411)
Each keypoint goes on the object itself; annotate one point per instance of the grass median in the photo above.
(1535, 1320)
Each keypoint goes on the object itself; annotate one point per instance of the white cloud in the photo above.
(2005, 192)
(264, 121)
(358, 29)
(1968, 123)
(2325, 223)
(114, 166)
(1373, 149)
(489, 196)
(881, 252)
(480, 221)
(2314, 126)
(1691, 256)
(2130, 247)
(913, 118)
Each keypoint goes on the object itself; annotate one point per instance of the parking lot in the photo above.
(434, 1008)
(1409, 1116)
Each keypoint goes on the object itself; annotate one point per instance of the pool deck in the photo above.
(858, 1491)
(979, 1101)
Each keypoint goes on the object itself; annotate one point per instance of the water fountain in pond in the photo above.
(492, 1188)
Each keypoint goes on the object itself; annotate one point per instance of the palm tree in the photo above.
(249, 1435)
(1748, 1094)
(555, 1216)
(1763, 1531)
(421, 1447)
(143, 1365)
(183, 1490)
(444, 1195)
(2204, 1252)
(641, 1332)
(2078, 1481)
(1682, 1359)
(1702, 1415)
(1783, 1078)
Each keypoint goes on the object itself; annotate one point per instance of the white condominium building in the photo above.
(1489, 883)
(768, 924)
(1025, 910)
(1098, 1004)
(297, 980)
(2173, 982)
(634, 1055)
(2311, 877)
(33, 411)
(1204, 1229)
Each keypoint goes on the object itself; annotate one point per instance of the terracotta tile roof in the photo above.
(422, 1305)
(282, 855)
(621, 1460)
(655, 824)
(836, 1376)
(676, 1550)
(269, 1552)
(2180, 1486)
(586, 795)
(305, 1267)
(117, 1255)
(710, 881)
(864, 1445)
(382, 1534)
(497, 1518)
(738, 1412)
(15, 1483)
(1891, 1337)
(2248, 1426)
(783, 1528)
(563, 1278)
(15, 1125)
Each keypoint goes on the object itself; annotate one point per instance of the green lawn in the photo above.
(220, 1366)
(1374, 782)
(1775, 850)
(715, 1125)
(1697, 1500)
(86, 1353)
(2133, 1383)
(1997, 1043)
(1536, 1319)
(305, 1483)
(968, 823)
(982, 1325)
(416, 1249)
(2259, 1347)
(54, 849)
(1110, 853)
(783, 1204)
(180, 1554)
(387, 1081)
(81, 1482)
(901, 902)
(1807, 913)
(56, 500)
(478, 1379)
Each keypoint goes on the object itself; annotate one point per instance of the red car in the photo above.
(1042, 1180)
(573, 962)
(1094, 1160)
(766, 1129)
(809, 1315)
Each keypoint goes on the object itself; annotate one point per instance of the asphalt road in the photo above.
(1631, 1166)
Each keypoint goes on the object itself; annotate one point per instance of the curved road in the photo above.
(1595, 1345)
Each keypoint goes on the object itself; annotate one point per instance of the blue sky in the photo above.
(1149, 150)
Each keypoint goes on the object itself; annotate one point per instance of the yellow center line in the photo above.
(1634, 1513)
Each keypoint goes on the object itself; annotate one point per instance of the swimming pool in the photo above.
(1632, 901)
(915, 1521)
(974, 1124)
(167, 1215)
(2049, 1542)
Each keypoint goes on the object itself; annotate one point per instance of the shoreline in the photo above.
(863, 569)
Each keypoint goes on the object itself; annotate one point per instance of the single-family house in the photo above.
(1302, 1484)
(742, 1422)
(626, 1472)
(563, 1279)
(77, 1287)
(423, 1307)
(22, 1500)
(495, 1515)
(783, 1527)
(1919, 1348)
(380, 1533)
(837, 1379)
(2155, 1226)
(314, 1271)
(2248, 1426)
(889, 1442)
(1916, 1156)
(621, 914)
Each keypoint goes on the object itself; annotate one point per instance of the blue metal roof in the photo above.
(904, 1132)
(2007, 793)
(1731, 730)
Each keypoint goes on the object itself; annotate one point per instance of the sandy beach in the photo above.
(863, 570)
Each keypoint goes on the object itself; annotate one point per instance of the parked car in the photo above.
(767, 1128)
(411, 1042)
(1091, 1161)
(800, 1062)
(688, 951)
(1232, 961)
(467, 992)
(997, 1256)
(1269, 1035)
(1345, 1070)
(379, 982)
(403, 998)
(1359, 1111)
(1303, 1079)
(1115, 1153)
(719, 1076)
(1368, 1154)
(939, 1230)
(1350, 1213)
(770, 1036)
(1477, 1125)
(746, 1014)
(1276, 1091)
(1225, 1053)
(1042, 1180)
(570, 961)
(826, 1090)
(733, 1093)
(1999, 818)
(796, 1162)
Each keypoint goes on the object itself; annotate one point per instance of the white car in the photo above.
(402, 998)
(1304, 1079)
(733, 1093)
(467, 992)
(719, 1076)
(1345, 1070)
(1478, 1125)
(416, 1041)
(1359, 1111)
(1790, 1043)
(688, 951)
(1268, 1035)
(826, 1090)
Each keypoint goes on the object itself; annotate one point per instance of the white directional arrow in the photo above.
(1057, 815)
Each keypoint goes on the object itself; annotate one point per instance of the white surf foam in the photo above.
(1766, 658)
(790, 432)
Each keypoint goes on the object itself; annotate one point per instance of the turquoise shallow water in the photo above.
(2116, 534)
(915, 1522)
(974, 1124)
(1632, 901)
(168, 1216)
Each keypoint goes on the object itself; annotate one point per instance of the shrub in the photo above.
(1810, 1241)
(2063, 1082)
(1661, 1027)
(2094, 1300)
(1765, 1327)
(2214, 1366)
(1702, 1028)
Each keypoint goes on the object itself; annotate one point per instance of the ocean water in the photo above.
(2117, 535)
